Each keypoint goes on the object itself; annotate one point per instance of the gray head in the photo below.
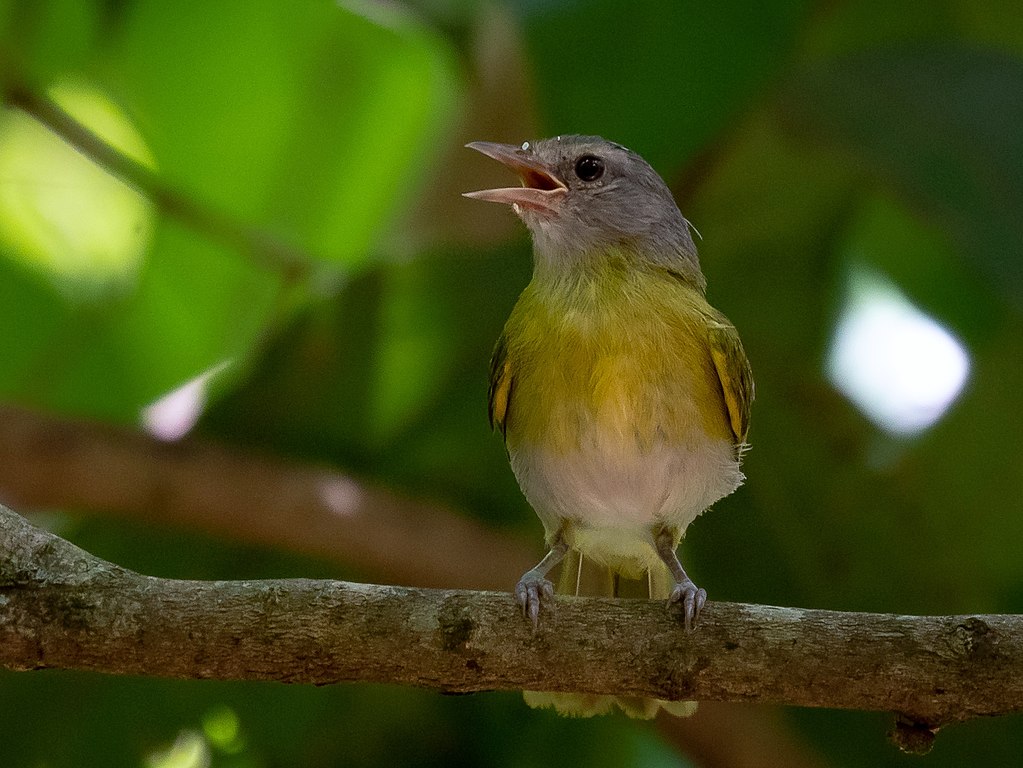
(584, 195)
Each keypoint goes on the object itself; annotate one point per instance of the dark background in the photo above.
(810, 143)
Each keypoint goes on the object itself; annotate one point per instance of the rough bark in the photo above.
(48, 462)
(63, 608)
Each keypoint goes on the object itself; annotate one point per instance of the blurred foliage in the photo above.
(799, 137)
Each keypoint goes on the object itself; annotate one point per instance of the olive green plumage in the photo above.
(631, 342)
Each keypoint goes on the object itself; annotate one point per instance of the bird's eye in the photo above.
(589, 168)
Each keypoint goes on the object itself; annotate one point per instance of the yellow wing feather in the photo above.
(500, 386)
(734, 373)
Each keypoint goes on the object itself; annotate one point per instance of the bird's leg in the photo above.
(534, 587)
(691, 597)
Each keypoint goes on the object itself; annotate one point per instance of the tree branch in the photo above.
(63, 608)
(46, 462)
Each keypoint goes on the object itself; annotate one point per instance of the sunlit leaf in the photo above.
(60, 212)
(311, 122)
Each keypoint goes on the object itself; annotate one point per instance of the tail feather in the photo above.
(583, 577)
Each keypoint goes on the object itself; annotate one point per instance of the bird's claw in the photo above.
(531, 591)
(692, 600)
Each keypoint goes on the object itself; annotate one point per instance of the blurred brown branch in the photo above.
(47, 462)
(63, 608)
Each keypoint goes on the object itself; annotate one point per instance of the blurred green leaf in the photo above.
(32, 313)
(307, 117)
(938, 123)
(851, 27)
(41, 40)
(662, 77)
(269, 114)
(62, 214)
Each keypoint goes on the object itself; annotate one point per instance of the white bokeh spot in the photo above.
(901, 367)
(173, 415)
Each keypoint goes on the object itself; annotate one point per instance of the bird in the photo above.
(622, 395)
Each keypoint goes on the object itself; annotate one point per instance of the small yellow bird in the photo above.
(623, 396)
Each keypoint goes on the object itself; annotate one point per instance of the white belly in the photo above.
(613, 494)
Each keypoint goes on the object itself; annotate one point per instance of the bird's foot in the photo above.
(531, 591)
(692, 599)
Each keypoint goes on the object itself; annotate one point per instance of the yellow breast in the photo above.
(621, 353)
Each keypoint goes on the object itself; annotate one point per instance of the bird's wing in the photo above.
(500, 385)
(734, 373)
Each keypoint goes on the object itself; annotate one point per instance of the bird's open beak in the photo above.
(541, 189)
